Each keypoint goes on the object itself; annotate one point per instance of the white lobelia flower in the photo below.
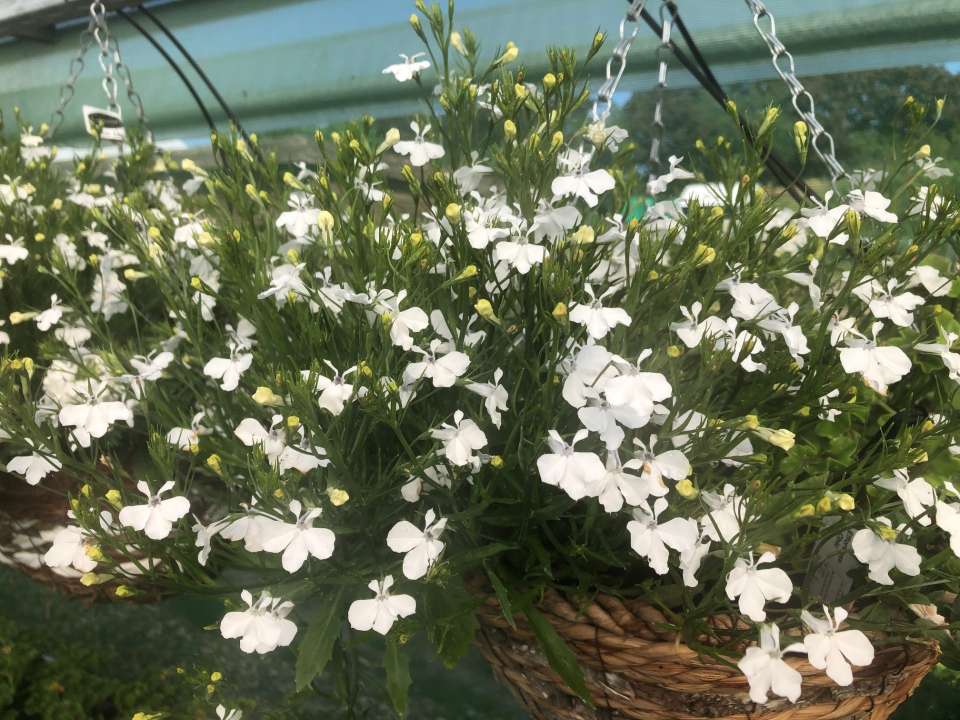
(228, 370)
(639, 390)
(381, 612)
(13, 251)
(576, 473)
(248, 527)
(657, 185)
(617, 486)
(460, 439)
(654, 467)
(835, 650)
(588, 372)
(402, 322)
(188, 438)
(930, 279)
(880, 551)
(299, 539)
(224, 714)
(604, 418)
(421, 547)
(286, 285)
(69, 549)
(692, 558)
(334, 391)
(750, 301)
(879, 365)
(580, 181)
(434, 476)
(766, 670)
(263, 626)
(35, 466)
(950, 359)
(519, 254)
(948, 517)
(597, 319)
(442, 370)
(494, 396)
(409, 68)
(884, 304)
(690, 330)
(755, 586)
(871, 203)
(419, 150)
(917, 494)
(157, 516)
(650, 538)
(281, 454)
(149, 369)
(301, 218)
(205, 535)
(46, 319)
(93, 417)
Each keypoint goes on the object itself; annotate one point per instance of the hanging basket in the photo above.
(30, 518)
(636, 671)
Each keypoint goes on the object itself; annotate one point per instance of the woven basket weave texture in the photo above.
(636, 671)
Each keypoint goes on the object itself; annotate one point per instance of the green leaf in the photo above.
(316, 647)
(452, 639)
(558, 653)
(397, 664)
(502, 596)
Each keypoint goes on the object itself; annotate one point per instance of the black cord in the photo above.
(203, 76)
(701, 72)
(173, 64)
(785, 176)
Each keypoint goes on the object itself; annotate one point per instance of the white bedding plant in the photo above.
(448, 363)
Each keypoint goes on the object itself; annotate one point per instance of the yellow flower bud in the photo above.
(846, 502)
(549, 81)
(704, 255)
(133, 275)
(39, 237)
(86, 490)
(496, 462)
(278, 493)
(653, 275)
(17, 317)
(91, 578)
(509, 55)
(750, 422)
(923, 152)
(456, 40)
(213, 462)
(415, 23)
(251, 192)
(807, 510)
(674, 351)
(887, 533)
(824, 504)
(338, 496)
(124, 591)
(584, 235)
(293, 422)
(266, 396)
(468, 272)
(57, 204)
(485, 310)
(452, 212)
(113, 497)
(783, 439)
(560, 311)
(769, 118)
(196, 283)
(853, 222)
(686, 489)
(93, 552)
(509, 129)
(520, 90)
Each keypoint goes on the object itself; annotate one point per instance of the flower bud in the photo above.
(266, 396)
(390, 139)
(496, 462)
(846, 502)
(213, 462)
(686, 489)
(674, 351)
(337, 496)
(769, 118)
(415, 23)
(17, 317)
(452, 212)
(807, 510)
(560, 311)
(824, 504)
(509, 55)
(853, 222)
(456, 40)
(801, 139)
(520, 90)
(704, 255)
(584, 235)
(485, 310)
(556, 140)
(549, 81)
(123, 591)
(468, 272)
(509, 129)
(923, 152)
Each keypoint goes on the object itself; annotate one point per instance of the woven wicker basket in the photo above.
(30, 517)
(636, 672)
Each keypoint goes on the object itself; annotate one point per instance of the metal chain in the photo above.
(108, 56)
(68, 89)
(604, 101)
(779, 56)
(656, 127)
(132, 95)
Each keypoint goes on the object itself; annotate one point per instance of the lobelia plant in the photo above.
(443, 363)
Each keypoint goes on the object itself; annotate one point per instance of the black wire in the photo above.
(791, 179)
(203, 76)
(173, 64)
(701, 72)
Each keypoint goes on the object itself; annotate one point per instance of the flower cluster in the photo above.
(459, 358)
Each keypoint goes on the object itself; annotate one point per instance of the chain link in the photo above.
(108, 55)
(69, 88)
(656, 126)
(801, 98)
(604, 100)
(123, 72)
